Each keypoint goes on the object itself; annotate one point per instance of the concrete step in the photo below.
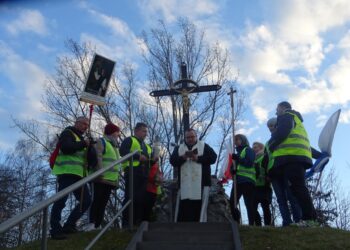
(188, 236)
(190, 226)
(188, 246)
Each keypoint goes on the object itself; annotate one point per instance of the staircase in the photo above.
(186, 236)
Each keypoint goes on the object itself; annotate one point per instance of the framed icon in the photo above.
(97, 82)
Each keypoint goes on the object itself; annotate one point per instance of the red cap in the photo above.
(110, 128)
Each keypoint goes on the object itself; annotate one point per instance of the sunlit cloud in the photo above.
(28, 21)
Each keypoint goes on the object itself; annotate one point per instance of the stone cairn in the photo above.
(218, 206)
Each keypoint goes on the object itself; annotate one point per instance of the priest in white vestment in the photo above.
(193, 159)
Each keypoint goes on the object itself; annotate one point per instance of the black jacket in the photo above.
(285, 124)
(209, 157)
(68, 143)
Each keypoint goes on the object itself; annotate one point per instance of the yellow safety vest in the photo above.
(297, 142)
(246, 171)
(135, 145)
(111, 155)
(70, 163)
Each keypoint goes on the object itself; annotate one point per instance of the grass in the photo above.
(252, 238)
(293, 238)
(116, 240)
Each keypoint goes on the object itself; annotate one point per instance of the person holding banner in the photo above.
(193, 159)
(69, 168)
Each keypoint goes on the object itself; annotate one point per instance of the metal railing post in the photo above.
(131, 194)
(44, 230)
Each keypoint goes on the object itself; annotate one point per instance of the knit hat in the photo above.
(110, 128)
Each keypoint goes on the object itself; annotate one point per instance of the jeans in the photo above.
(283, 195)
(294, 172)
(63, 182)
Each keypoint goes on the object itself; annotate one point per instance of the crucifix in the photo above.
(184, 87)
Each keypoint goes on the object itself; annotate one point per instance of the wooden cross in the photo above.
(184, 87)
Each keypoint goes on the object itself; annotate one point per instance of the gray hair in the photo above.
(272, 122)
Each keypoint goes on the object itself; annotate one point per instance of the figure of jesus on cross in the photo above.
(184, 87)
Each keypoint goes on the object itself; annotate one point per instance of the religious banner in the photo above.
(97, 81)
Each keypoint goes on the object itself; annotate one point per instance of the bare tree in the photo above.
(207, 64)
(24, 183)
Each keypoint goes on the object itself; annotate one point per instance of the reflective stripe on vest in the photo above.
(297, 142)
(135, 145)
(271, 159)
(246, 171)
(111, 155)
(260, 181)
(70, 163)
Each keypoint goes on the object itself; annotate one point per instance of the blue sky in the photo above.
(284, 50)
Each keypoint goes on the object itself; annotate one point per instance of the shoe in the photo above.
(58, 236)
(312, 223)
(67, 229)
(306, 223)
(90, 227)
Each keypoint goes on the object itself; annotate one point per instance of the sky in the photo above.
(291, 50)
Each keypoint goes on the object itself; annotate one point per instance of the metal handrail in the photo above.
(205, 201)
(177, 205)
(43, 205)
(104, 229)
(204, 206)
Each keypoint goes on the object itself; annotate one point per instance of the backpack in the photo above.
(54, 154)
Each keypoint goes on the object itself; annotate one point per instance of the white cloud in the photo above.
(288, 54)
(170, 10)
(302, 21)
(345, 116)
(244, 127)
(26, 79)
(28, 21)
(121, 43)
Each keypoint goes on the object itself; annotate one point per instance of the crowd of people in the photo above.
(278, 165)
(79, 156)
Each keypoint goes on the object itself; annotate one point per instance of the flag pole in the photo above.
(234, 177)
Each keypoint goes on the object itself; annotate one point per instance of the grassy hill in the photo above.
(251, 237)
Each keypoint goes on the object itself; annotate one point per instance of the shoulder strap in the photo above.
(104, 145)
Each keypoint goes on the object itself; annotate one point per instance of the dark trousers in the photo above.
(190, 210)
(284, 195)
(263, 196)
(295, 174)
(139, 196)
(247, 190)
(63, 182)
(101, 195)
(150, 200)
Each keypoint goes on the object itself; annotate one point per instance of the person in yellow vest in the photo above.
(69, 168)
(141, 164)
(246, 178)
(107, 152)
(263, 191)
(291, 151)
(192, 159)
(281, 187)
